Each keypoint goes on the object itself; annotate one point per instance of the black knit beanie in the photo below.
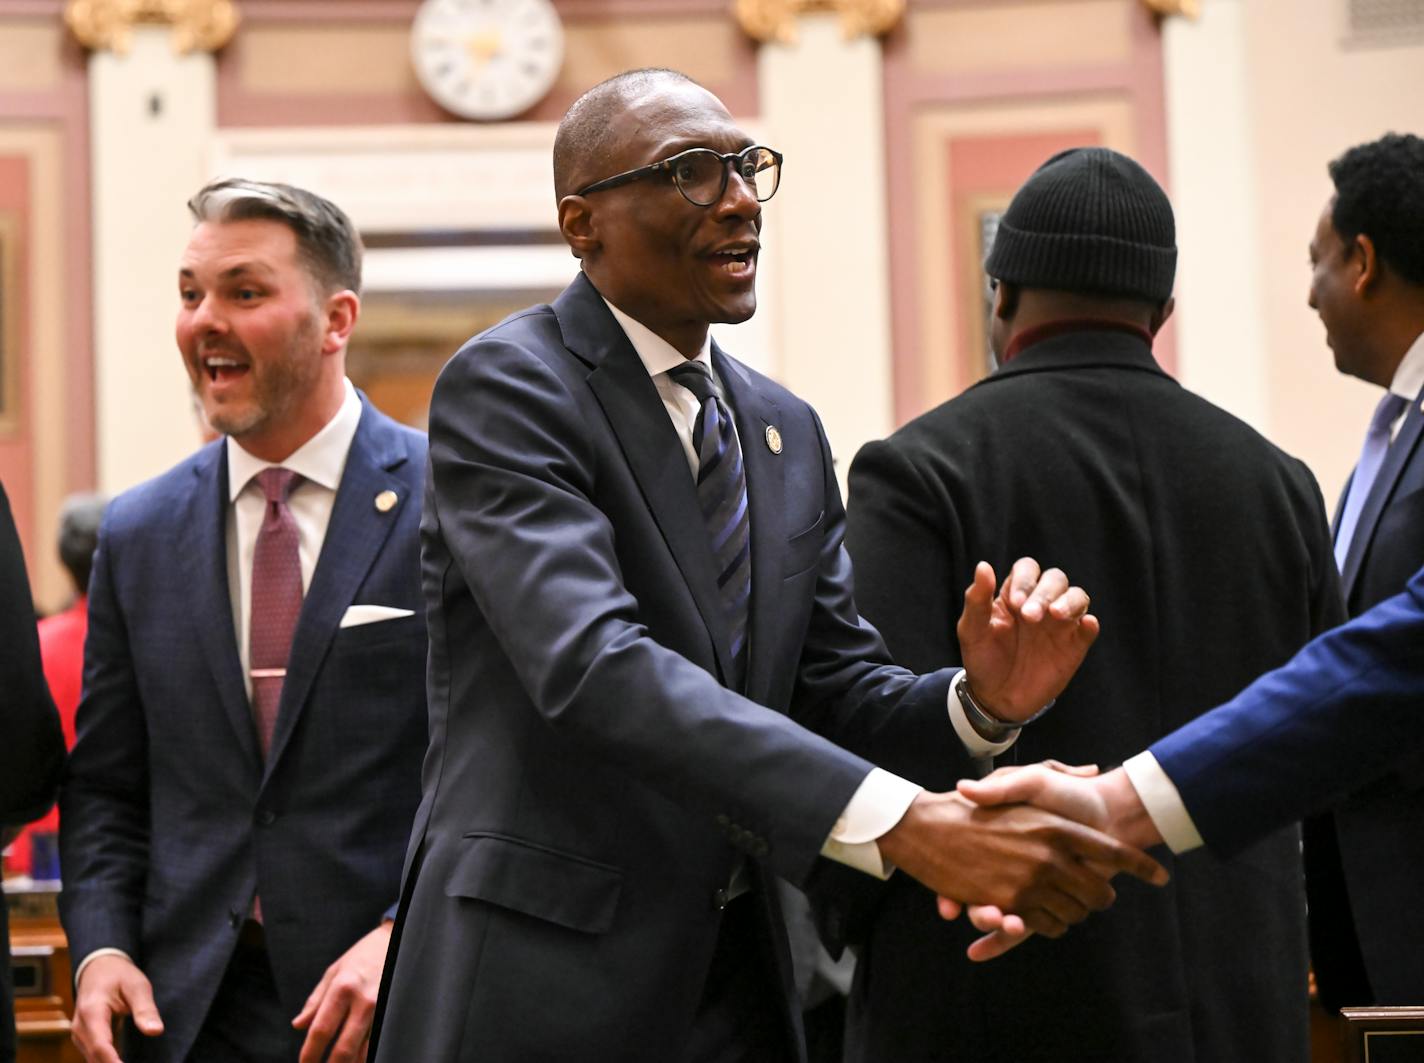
(1088, 220)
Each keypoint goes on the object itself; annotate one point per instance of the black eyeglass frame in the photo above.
(668, 165)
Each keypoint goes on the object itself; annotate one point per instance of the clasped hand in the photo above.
(1108, 803)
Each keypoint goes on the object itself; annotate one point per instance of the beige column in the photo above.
(152, 118)
(821, 102)
(1222, 350)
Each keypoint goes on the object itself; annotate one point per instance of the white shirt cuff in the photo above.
(1159, 796)
(975, 743)
(876, 806)
(79, 971)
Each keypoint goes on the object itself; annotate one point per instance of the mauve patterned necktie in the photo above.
(722, 495)
(276, 600)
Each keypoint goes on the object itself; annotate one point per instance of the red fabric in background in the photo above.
(62, 651)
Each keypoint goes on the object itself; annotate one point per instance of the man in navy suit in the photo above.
(253, 716)
(650, 688)
(1365, 858)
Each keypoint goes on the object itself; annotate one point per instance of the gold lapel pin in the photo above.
(773, 439)
(386, 501)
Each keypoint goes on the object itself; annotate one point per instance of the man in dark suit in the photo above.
(31, 742)
(1080, 447)
(644, 648)
(1365, 859)
(253, 715)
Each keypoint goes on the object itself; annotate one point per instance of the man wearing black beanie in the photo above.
(1208, 557)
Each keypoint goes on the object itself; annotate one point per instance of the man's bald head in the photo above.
(586, 144)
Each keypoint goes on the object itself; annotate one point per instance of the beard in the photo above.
(278, 385)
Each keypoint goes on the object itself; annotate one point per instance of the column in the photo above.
(1221, 331)
(822, 102)
(152, 118)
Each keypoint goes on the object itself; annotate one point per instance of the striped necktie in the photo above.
(722, 496)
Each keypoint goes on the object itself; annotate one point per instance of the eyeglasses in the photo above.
(701, 174)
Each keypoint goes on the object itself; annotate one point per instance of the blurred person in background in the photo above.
(35, 851)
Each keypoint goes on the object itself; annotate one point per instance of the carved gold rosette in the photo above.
(775, 20)
(1190, 8)
(198, 25)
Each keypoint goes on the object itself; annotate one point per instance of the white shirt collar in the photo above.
(321, 459)
(1409, 377)
(656, 353)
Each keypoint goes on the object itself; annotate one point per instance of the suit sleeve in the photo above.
(514, 474)
(31, 742)
(104, 815)
(909, 559)
(1338, 715)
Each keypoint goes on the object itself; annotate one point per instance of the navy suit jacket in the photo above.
(592, 780)
(1365, 860)
(1342, 713)
(170, 819)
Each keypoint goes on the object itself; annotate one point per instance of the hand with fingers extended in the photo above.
(1107, 802)
(111, 986)
(1021, 646)
(1049, 870)
(340, 1009)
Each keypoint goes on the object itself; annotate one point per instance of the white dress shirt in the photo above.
(882, 798)
(1158, 793)
(1408, 380)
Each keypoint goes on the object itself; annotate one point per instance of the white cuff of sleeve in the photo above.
(877, 805)
(975, 743)
(1159, 796)
(79, 971)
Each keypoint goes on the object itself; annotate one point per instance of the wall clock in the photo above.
(487, 59)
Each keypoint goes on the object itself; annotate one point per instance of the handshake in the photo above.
(1026, 850)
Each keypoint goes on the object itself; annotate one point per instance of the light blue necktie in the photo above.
(1371, 458)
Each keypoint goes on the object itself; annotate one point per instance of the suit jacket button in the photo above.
(266, 817)
(234, 918)
(719, 899)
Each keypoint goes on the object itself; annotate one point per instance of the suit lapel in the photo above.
(1395, 460)
(354, 537)
(635, 410)
(766, 481)
(206, 569)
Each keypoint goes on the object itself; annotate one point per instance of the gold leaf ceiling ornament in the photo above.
(107, 25)
(1189, 8)
(775, 20)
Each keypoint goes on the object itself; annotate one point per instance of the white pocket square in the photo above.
(357, 615)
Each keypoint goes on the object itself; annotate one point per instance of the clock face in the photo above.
(487, 58)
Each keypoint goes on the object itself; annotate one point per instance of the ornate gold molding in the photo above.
(775, 20)
(1190, 8)
(198, 25)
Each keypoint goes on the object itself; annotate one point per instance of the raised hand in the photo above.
(1049, 870)
(1021, 646)
(110, 986)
